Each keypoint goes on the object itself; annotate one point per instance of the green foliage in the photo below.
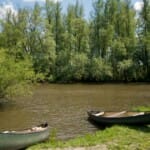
(100, 70)
(78, 65)
(65, 47)
(125, 68)
(14, 76)
(62, 71)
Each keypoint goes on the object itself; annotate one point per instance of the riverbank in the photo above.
(111, 138)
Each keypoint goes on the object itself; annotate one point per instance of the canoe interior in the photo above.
(123, 118)
(118, 114)
(35, 129)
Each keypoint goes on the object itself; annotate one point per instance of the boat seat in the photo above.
(137, 114)
(8, 131)
(117, 114)
(36, 129)
(99, 114)
(5, 132)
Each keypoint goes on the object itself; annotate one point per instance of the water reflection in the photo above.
(64, 107)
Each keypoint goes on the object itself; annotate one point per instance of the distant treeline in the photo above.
(45, 44)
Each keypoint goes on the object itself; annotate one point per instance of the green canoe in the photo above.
(15, 140)
(123, 117)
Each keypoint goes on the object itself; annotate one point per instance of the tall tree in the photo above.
(41, 45)
(77, 29)
(54, 17)
(75, 43)
(13, 33)
(16, 70)
(97, 23)
(113, 32)
(15, 76)
(125, 26)
(144, 38)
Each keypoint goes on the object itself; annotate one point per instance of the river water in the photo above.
(65, 106)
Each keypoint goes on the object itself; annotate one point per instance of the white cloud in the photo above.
(138, 5)
(5, 8)
(34, 0)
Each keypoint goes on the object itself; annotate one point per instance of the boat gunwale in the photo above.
(32, 130)
(146, 113)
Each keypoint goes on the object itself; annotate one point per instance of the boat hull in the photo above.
(125, 120)
(16, 141)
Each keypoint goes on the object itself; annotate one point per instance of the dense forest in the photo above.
(47, 44)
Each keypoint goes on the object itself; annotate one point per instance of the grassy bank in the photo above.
(115, 138)
(112, 138)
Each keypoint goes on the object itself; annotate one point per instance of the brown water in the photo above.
(64, 107)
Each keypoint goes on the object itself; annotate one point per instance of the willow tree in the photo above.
(75, 44)
(16, 70)
(13, 33)
(144, 39)
(125, 30)
(97, 23)
(41, 45)
(15, 76)
(54, 17)
(76, 32)
(113, 35)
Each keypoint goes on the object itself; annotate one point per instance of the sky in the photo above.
(6, 5)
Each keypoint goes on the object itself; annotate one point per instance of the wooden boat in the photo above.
(14, 140)
(123, 117)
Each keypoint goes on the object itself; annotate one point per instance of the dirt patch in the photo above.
(97, 147)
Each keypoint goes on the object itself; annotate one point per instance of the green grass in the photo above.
(115, 138)
(142, 108)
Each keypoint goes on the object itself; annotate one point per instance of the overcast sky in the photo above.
(14, 4)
